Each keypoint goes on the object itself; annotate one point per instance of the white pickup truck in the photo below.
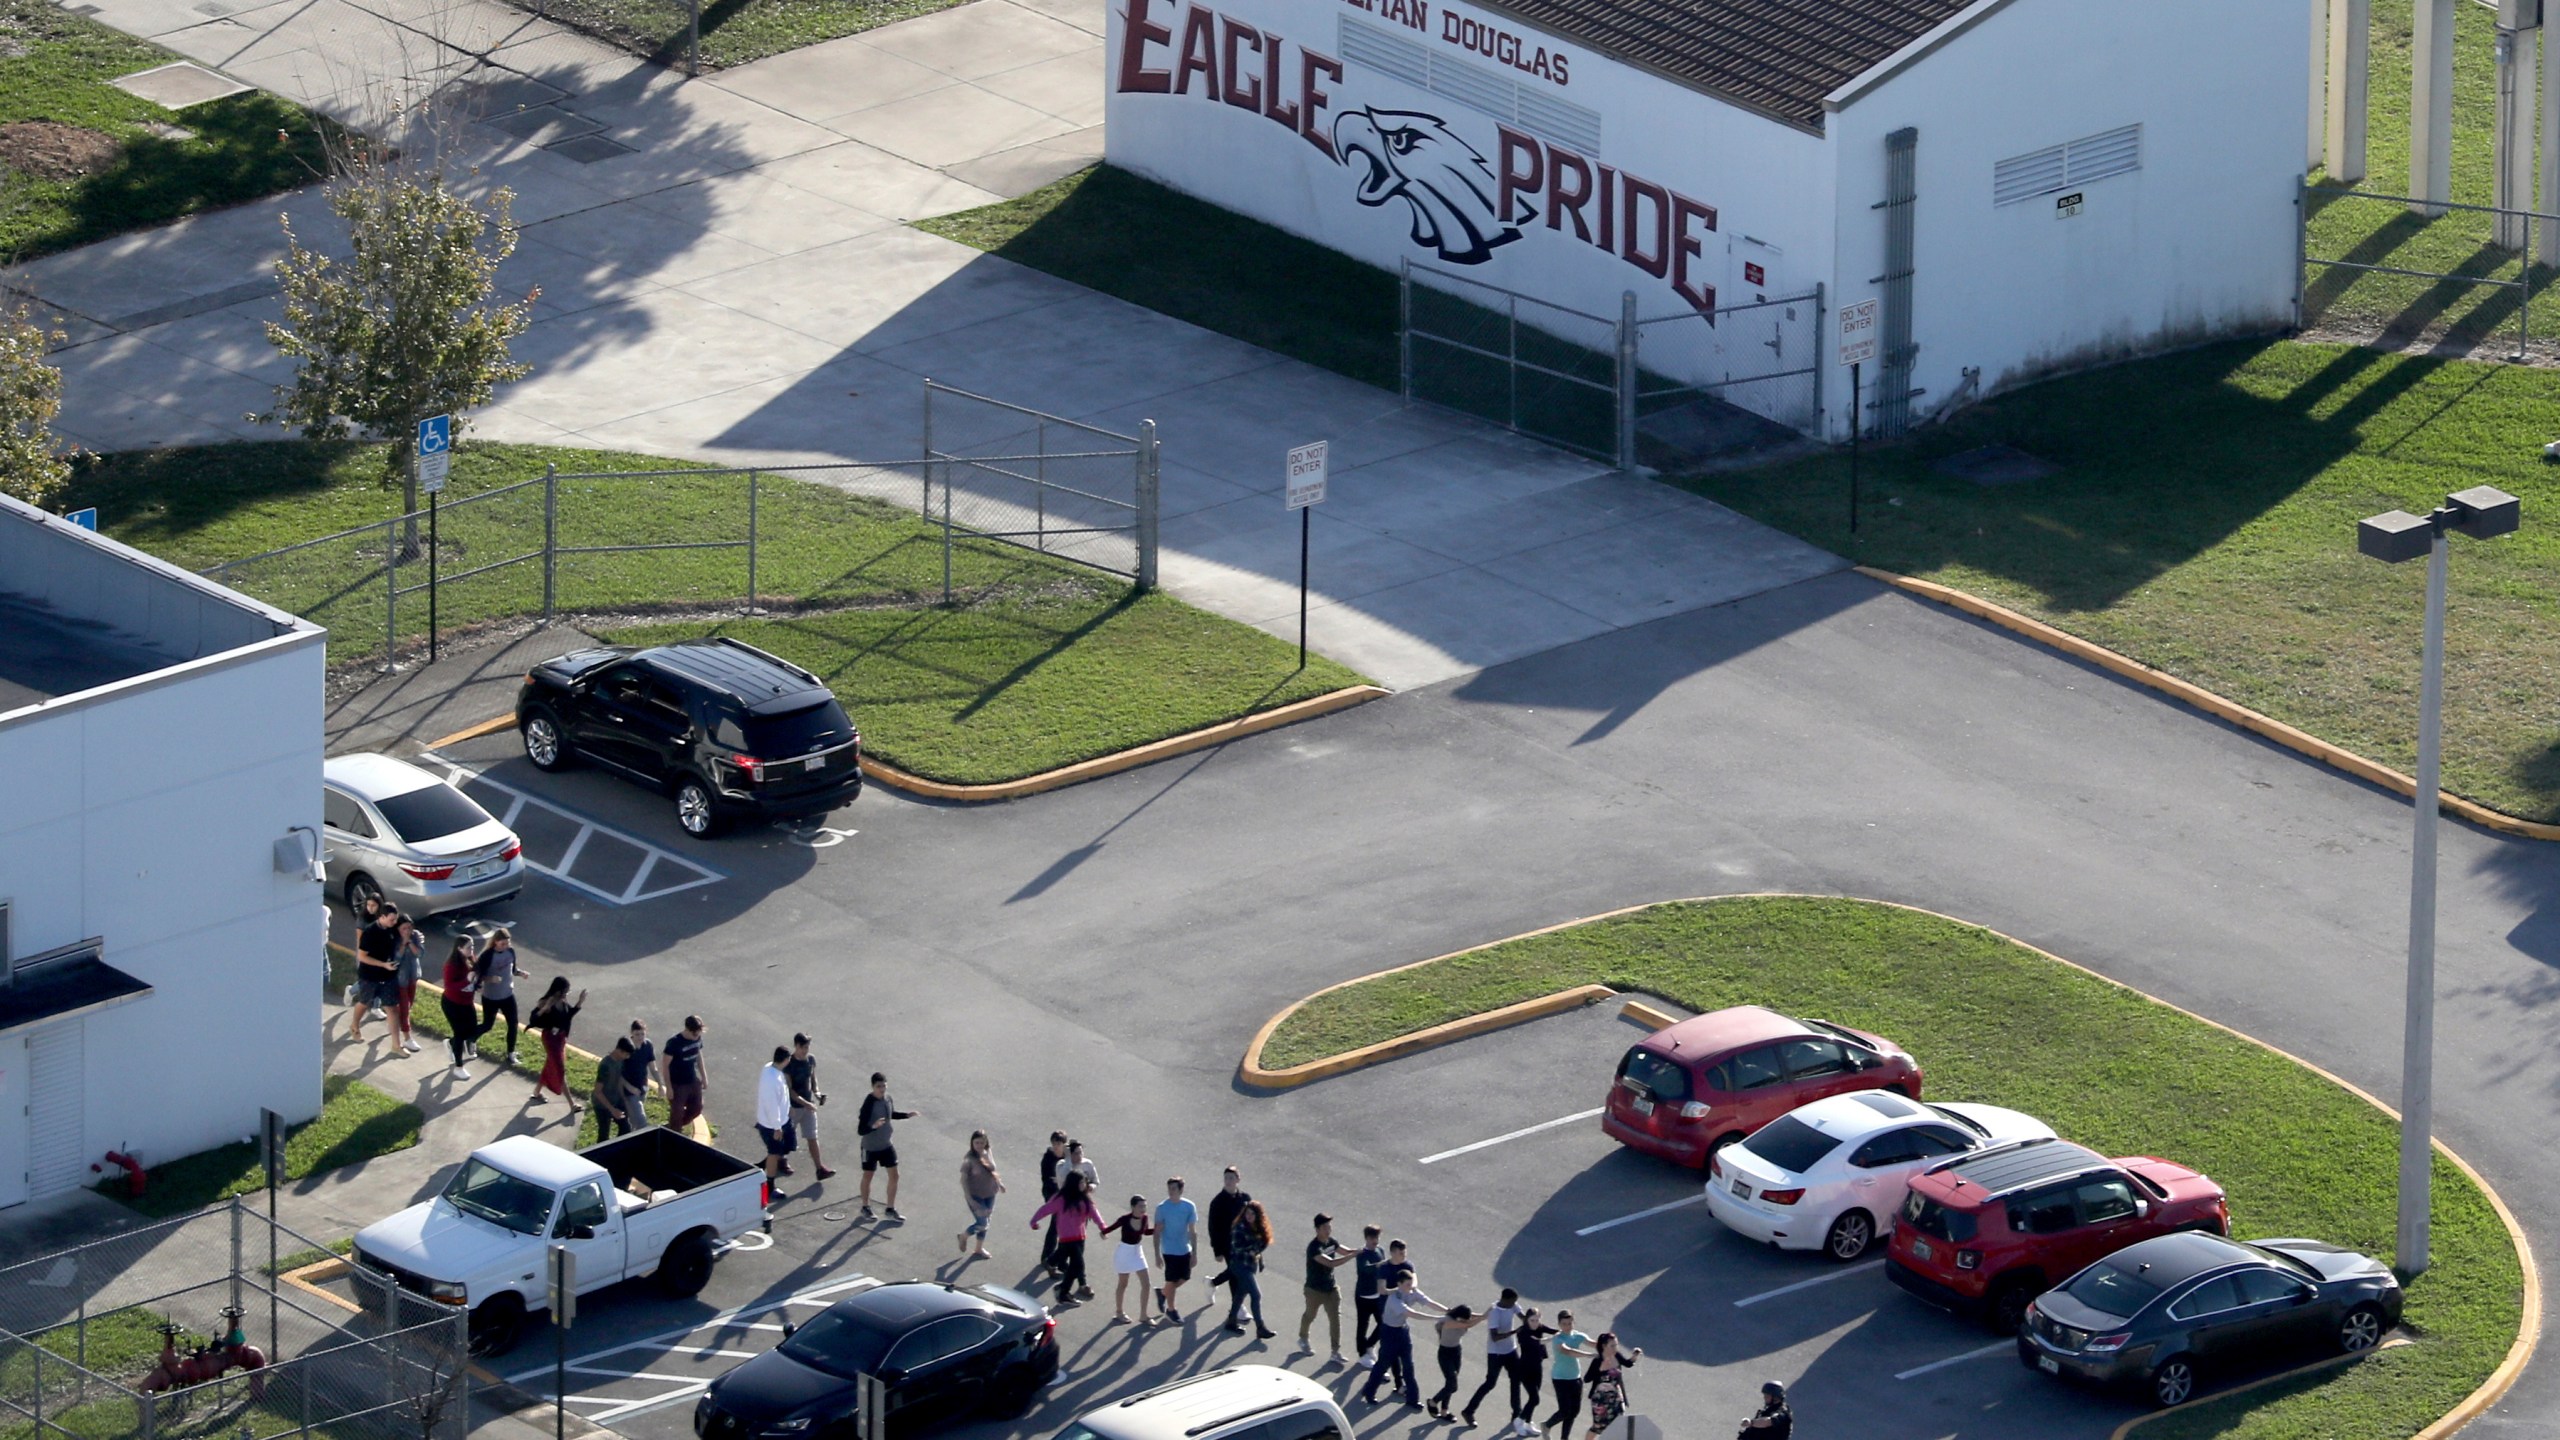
(654, 1203)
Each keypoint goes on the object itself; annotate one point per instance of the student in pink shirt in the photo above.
(1075, 1215)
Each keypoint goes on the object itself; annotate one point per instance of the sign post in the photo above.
(271, 1150)
(434, 458)
(562, 1283)
(1308, 466)
(1857, 347)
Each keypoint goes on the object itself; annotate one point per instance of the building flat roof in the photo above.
(45, 653)
(1779, 57)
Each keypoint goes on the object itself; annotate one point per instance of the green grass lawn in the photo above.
(55, 65)
(356, 1122)
(1025, 682)
(733, 31)
(1040, 662)
(2404, 309)
(2204, 523)
(1111, 231)
(2297, 1154)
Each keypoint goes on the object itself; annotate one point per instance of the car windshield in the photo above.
(431, 813)
(484, 1190)
(840, 1341)
(1080, 1431)
(2110, 1291)
(1931, 1218)
(1663, 1079)
(797, 732)
(1790, 1144)
(1967, 1122)
(2294, 1263)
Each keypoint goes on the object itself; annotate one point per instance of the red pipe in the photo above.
(134, 1177)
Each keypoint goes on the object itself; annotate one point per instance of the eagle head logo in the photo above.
(1409, 156)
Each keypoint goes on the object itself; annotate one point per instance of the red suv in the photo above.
(1689, 1091)
(1985, 1233)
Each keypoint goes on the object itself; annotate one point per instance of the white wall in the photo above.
(148, 818)
(1762, 178)
(2199, 242)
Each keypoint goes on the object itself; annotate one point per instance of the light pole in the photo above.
(2483, 513)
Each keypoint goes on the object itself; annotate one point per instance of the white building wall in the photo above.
(1762, 179)
(148, 817)
(2197, 243)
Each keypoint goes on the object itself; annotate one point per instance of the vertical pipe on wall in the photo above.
(2350, 87)
(2431, 108)
(1897, 352)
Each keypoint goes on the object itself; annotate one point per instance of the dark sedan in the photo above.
(939, 1352)
(2156, 1313)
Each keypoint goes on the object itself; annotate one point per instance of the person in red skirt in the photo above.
(551, 1018)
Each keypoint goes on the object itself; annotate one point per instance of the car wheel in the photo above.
(2361, 1329)
(694, 810)
(360, 888)
(1850, 1236)
(2006, 1310)
(497, 1324)
(2173, 1381)
(544, 745)
(686, 1267)
(1716, 1146)
(1013, 1392)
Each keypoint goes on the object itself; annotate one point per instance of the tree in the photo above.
(406, 326)
(30, 396)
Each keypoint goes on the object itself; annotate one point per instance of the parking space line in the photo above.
(664, 1339)
(1698, 1199)
(459, 774)
(1514, 1135)
(1806, 1284)
(1994, 1348)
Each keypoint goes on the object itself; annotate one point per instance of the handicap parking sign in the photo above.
(435, 452)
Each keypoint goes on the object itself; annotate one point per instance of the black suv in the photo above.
(727, 729)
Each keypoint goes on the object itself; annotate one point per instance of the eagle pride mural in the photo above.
(1461, 202)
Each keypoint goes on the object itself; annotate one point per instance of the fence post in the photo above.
(236, 1242)
(946, 533)
(391, 597)
(751, 541)
(1627, 355)
(304, 1369)
(693, 39)
(1404, 328)
(924, 506)
(1040, 491)
(2301, 249)
(1150, 484)
(462, 1374)
(2524, 295)
(550, 540)
(35, 1357)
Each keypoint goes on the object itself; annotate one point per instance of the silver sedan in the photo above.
(397, 832)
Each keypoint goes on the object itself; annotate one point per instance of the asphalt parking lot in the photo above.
(1096, 959)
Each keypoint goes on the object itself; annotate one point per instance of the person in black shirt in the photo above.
(1050, 1160)
(800, 1073)
(1223, 1208)
(879, 1150)
(1366, 1294)
(377, 971)
(683, 1061)
(1324, 1256)
(1773, 1420)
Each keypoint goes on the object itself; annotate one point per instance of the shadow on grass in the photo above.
(1059, 642)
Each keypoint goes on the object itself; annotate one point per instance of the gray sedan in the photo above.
(393, 830)
(2156, 1313)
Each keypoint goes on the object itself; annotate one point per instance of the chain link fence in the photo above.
(657, 539)
(130, 1336)
(1625, 390)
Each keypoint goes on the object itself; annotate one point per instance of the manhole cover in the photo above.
(588, 149)
(180, 85)
(1996, 465)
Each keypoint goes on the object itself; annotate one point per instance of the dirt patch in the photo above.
(50, 150)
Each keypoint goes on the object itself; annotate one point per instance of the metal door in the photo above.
(57, 1143)
(13, 1129)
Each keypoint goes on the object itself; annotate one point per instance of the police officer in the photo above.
(1773, 1420)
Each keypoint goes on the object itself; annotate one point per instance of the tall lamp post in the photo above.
(2482, 512)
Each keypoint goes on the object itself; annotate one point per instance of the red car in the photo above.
(1985, 1233)
(1689, 1091)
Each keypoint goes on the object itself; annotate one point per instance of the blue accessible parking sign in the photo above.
(435, 452)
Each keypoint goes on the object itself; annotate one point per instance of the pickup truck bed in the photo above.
(655, 1159)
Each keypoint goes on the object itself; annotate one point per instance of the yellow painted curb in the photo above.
(2529, 1326)
(2205, 700)
(1131, 759)
(1094, 769)
(1649, 1014)
(1402, 1045)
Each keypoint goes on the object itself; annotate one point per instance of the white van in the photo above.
(1242, 1402)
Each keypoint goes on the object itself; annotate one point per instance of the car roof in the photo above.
(538, 1160)
(1862, 1113)
(2002, 1168)
(1702, 1036)
(904, 1304)
(766, 685)
(2176, 1258)
(375, 777)
(1203, 1403)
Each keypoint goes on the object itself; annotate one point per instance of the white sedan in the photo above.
(1829, 1176)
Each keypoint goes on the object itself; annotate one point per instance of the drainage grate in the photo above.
(175, 87)
(1994, 465)
(588, 149)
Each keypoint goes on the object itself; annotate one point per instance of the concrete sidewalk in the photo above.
(725, 274)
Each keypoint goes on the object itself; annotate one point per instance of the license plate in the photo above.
(2047, 1364)
(817, 763)
(1643, 1105)
(479, 871)
(1741, 1190)
(1920, 1249)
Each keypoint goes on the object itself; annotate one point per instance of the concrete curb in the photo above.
(2529, 1322)
(2214, 705)
(1131, 759)
(1094, 769)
